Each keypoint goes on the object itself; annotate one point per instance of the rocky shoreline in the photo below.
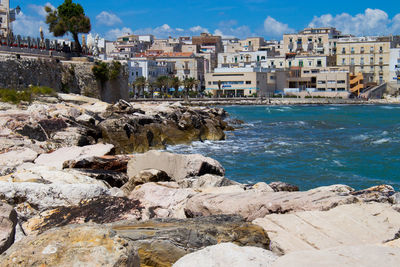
(73, 194)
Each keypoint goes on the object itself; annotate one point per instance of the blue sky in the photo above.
(244, 18)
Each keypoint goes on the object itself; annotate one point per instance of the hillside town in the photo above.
(313, 62)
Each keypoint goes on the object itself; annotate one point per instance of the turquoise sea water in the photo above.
(310, 146)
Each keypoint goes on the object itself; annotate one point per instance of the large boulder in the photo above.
(59, 157)
(77, 245)
(11, 159)
(228, 254)
(342, 256)
(99, 210)
(8, 221)
(145, 176)
(40, 197)
(162, 200)
(162, 242)
(355, 224)
(252, 204)
(206, 181)
(177, 166)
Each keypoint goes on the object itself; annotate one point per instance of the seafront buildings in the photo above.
(313, 62)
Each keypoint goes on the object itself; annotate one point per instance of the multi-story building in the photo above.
(367, 55)
(208, 43)
(7, 16)
(239, 82)
(294, 60)
(232, 45)
(127, 46)
(242, 59)
(252, 43)
(166, 46)
(186, 65)
(148, 67)
(321, 41)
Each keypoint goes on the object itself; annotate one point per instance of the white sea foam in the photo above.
(361, 137)
(382, 141)
(338, 163)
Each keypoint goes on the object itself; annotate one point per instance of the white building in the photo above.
(394, 68)
(242, 59)
(148, 68)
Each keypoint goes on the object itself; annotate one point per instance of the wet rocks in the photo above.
(85, 245)
(163, 242)
(8, 221)
(177, 166)
(228, 254)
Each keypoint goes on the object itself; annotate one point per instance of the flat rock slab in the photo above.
(100, 210)
(254, 204)
(343, 256)
(59, 157)
(355, 224)
(84, 245)
(177, 166)
(162, 242)
(8, 221)
(228, 254)
(14, 158)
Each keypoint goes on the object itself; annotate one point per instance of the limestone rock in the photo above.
(40, 197)
(77, 245)
(380, 193)
(14, 158)
(281, 186)
(342, 256)
(355, 224)
(8, 221)
(162, 242)
(177, 166)
(57, 158)
(109, 163)
(162, 200)
(99, 210)
(205, 181)
(228, 254)
(145, 176)
(252, 204)
(46, 175)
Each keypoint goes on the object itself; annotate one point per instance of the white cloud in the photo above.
(230, 29)
(274, 28)
(108, 19)
(29, 26)
(40, 9)
(198, 29)
(118, 32)
(371, 22)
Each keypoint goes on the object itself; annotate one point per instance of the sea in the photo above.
(309, 146)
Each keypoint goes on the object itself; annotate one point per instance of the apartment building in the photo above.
(242, 59)
(239, 82)
(148, 67)
(186, 65)
(367, 55)
(127, 46)
(317, 41)
(208, 43)
(252, 43)
(166, 45)
(295, 60)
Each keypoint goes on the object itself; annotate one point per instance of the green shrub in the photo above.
(16, 96)
(42, 90)
(115, 70)
(101, 72)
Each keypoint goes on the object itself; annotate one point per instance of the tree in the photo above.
(68, 18)
(140, 83)
(162, 83)
(189, 83)
(174, 82)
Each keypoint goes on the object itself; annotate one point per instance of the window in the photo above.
(209, 83)
(341, 89)
(301, 63)
(306, 71)
(310, 63)
(321, 82)
(319, 63)
(341, 81)
(352, 61)
(352, 50)
(331, 81)
(343, 61)
(248, 82)
(343, 50)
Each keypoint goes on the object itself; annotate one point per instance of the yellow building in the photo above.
(369, 55)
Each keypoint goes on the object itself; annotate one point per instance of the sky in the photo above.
(234, 18)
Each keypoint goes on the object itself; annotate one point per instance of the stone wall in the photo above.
(63, 76)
